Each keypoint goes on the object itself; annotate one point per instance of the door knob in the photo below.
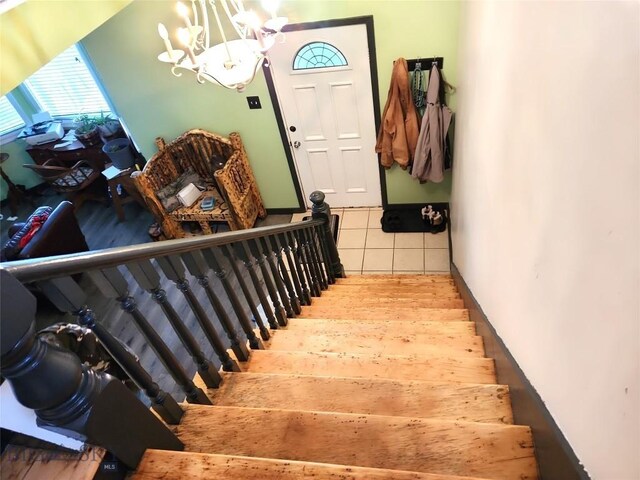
(296, 144)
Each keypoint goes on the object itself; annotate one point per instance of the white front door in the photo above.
(323, 83)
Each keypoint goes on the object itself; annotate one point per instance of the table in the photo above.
(124, 180)
(68, 154)
(219, 213)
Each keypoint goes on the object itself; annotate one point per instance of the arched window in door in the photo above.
(318, 55)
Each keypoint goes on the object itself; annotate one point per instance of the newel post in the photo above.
(322, 211)
(68, 397)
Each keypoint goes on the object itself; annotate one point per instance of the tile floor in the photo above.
(365, 248)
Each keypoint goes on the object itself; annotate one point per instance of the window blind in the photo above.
(65, 87)
(9, 117)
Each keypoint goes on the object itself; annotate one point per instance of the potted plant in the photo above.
(107, 125)
(87, 129)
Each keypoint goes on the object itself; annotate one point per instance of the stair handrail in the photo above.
(82, 404)
(36, 269)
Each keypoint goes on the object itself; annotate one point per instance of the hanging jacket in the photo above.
(398, 133)
(429, 161)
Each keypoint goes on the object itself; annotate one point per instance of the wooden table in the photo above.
(219, 213)
(124, 180)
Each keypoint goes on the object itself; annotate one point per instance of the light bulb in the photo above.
(184, 37)
(270, 5)
(182, 9)
(162, 31)
(252, 19)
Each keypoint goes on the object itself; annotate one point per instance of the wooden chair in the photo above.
(222, 163)
(83, 181)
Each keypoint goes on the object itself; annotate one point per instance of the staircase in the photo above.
(381, 377)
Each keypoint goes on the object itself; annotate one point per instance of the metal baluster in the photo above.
(198, 266)
(278, 309)
(283, 244)
(69, 292)
(68, 397)
(228, 252)
(286, 276)
(321, 210)
(148, 278)
(214, 260)
(290, 240)
(316, 257)
(324, 253)
(265, 244)
(303, 250)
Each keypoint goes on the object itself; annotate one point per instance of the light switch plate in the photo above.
(254, 103)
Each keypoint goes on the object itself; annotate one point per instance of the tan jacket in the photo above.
(398, 133)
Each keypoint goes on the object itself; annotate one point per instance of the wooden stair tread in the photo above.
(375, 342)
(25, 463)
(386, 313)
(396, 286)
(188, 465)
(454, 370)
(375, 301)
(393, 295)
(409, 398)
(381, 326)
(485, 450)
(399, 280)
(383, 276)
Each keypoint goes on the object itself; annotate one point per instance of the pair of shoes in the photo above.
(431, 216)
(435, 220)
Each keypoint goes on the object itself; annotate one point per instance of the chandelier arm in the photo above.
(224, 37)
(213, 79)
(195, 13)
(205, 24)
(240, 33)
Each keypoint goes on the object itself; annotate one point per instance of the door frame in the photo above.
(366, 20)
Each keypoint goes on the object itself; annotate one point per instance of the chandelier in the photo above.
(233, 63)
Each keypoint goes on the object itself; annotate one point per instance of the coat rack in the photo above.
(426, 63)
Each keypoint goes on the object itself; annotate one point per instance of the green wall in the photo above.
(34, 32)
(153, 102)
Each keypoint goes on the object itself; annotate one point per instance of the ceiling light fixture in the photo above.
(233, 63)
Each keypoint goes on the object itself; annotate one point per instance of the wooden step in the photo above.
(485, 450)
(419, 301)
(394, 288)
(444, 401)
(400, 295)
(24, 463)
(399, 280)
(386, 313)
(165, 465)
(371, 342)
(395, 276)
(382, 327)
(451, 370)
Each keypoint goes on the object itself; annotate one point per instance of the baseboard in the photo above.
(284, 211)
(556, 458)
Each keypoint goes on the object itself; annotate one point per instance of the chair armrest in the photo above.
(15, 228)
(59, 235)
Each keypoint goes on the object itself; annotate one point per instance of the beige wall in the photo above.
(545, 208)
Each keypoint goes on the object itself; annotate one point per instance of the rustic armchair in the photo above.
(221, 167)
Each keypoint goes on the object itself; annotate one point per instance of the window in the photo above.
(65, 86)
(318, 55)
(10, 119)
